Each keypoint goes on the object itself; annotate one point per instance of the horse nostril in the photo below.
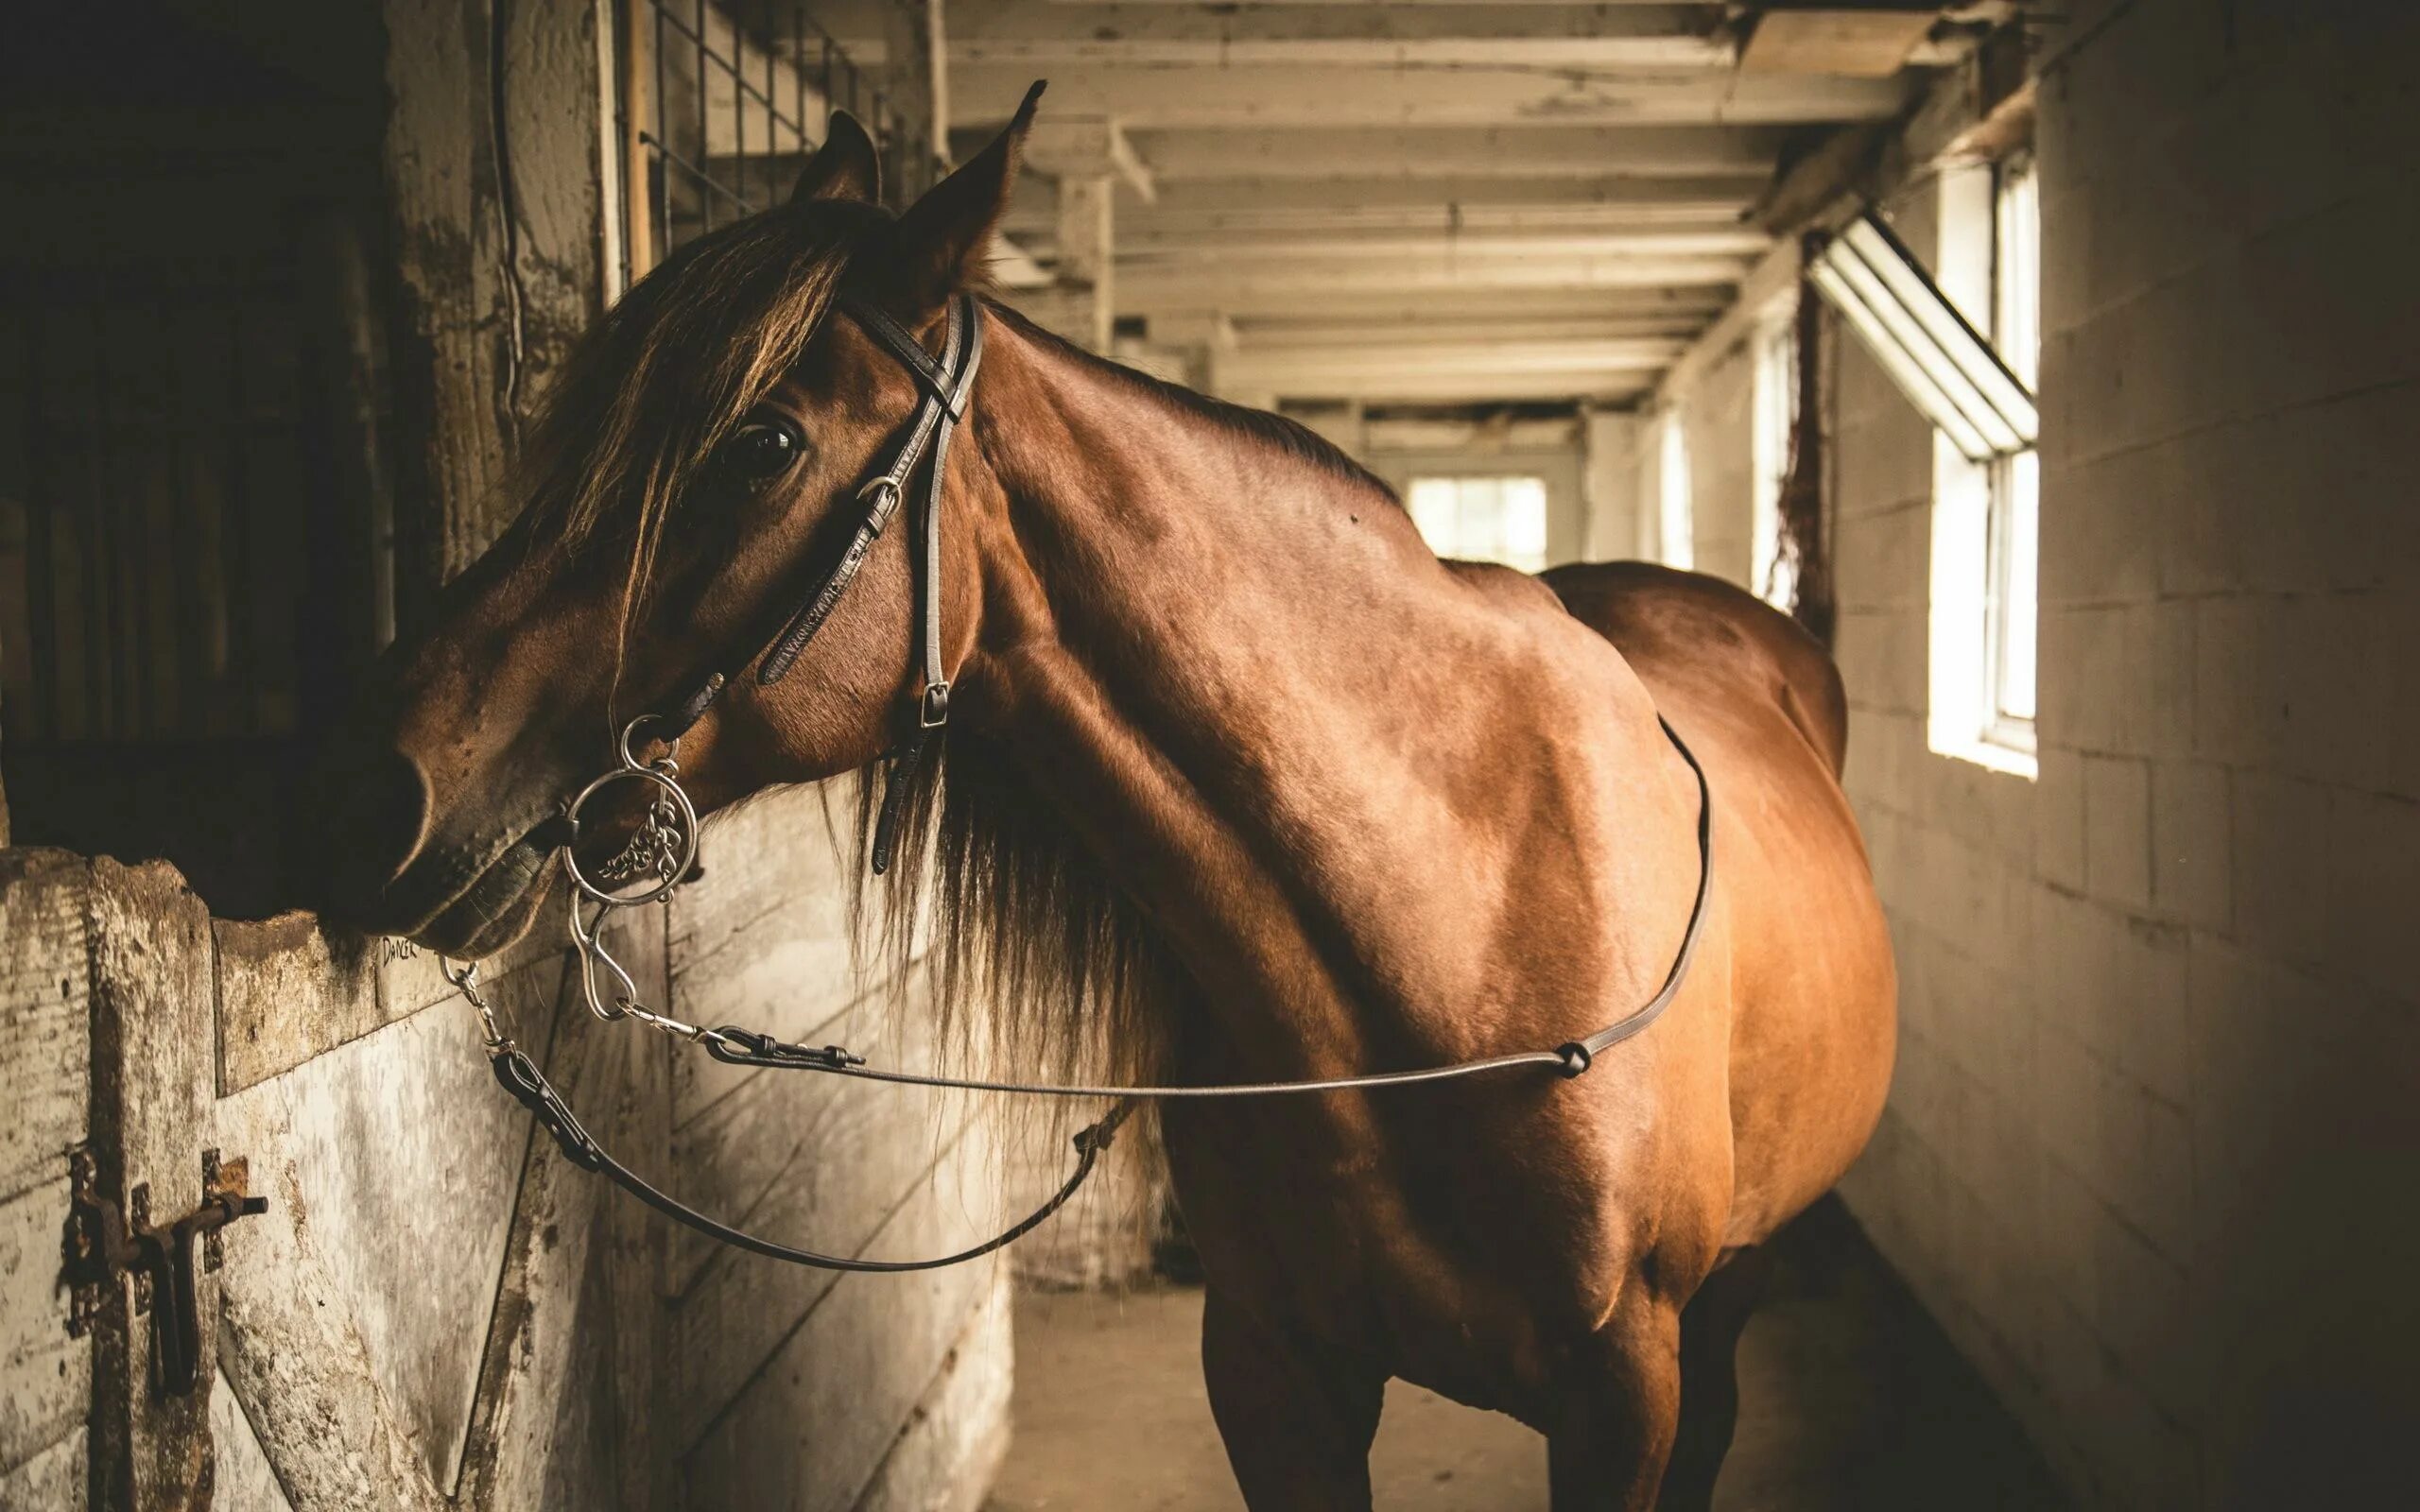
(374, 803)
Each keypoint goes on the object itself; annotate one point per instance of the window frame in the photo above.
(2014, 485)
(1462, 481)
(1979, 503)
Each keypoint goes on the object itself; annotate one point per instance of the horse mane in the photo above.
(1040, 961)
(1040, 966)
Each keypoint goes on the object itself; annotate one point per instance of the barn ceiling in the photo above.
(1456, 202)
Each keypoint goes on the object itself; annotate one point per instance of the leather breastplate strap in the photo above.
(947, 383)
(734, 1045)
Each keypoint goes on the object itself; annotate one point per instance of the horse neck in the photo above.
(1258, 698)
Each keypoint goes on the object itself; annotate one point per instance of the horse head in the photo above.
(694, 465)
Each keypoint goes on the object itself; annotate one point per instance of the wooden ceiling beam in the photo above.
(1268, 368)
(1238, 288)
(1367, 153)
(1474, 385)
(1270, 94)
(1361, 248)
(1471, 204)
(1268, 310)
(1039, 34)
(1281, 335)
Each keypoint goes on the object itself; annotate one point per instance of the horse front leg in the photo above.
(1297, 1417)
(1710, 1328)
(1615, 1421)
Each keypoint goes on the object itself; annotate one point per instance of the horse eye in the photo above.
(762, 451)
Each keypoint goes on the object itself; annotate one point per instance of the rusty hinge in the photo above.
(104, 1244)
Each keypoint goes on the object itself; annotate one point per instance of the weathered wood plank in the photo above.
(949, 1450)
(784, 848)
(782, 976)
(456, 366)
(288, 990)
(636, 1242)
(858, 1158)
(564, 1416)
(246, 1481)
(152, 1060)
(46, 1014)
(55, 1480)
(814, 1424)
(300, 1372)
(390, 1163)
(46, 1377)
(728, 1158)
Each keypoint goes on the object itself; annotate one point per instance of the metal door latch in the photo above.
(104, 1242)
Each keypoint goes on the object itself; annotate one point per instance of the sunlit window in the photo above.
(1483, 519)
(2014, 529)
(1676, 505)
(1987, 513)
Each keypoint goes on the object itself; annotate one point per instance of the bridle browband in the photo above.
(660, 855)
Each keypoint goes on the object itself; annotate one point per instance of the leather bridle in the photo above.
(660, 855)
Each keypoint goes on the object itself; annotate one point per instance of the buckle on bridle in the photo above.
(880, 495)
(933, 709)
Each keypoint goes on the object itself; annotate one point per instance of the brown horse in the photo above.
(1243, 783)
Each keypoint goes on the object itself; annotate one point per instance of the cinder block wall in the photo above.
(2149, 1151)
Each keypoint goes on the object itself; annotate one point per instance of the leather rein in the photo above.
(660, 855)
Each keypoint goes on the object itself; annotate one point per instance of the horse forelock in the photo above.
(670, 370)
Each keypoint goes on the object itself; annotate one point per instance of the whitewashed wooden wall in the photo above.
(894, 1389)
(438, 1310)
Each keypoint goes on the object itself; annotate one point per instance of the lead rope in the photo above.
(664, 850)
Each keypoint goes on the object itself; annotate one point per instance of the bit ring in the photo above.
(688, 830)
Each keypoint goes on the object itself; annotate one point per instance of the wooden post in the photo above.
(638, 104)
(493, 206)
(1086, 251)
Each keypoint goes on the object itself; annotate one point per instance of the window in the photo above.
(1676, 532)
(1986, 510)
(1776, 406)
(1483, 519)
(719, 101)
(2014, 538)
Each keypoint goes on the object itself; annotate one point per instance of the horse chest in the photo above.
(1458, 1245)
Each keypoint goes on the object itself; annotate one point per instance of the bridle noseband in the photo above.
(659, 857)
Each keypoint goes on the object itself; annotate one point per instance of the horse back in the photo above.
(1670, 623)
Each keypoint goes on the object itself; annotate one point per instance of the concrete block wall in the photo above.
(2149, 1153)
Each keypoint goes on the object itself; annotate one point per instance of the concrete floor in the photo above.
(1850, 1398)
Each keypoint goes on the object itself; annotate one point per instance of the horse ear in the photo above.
(846, 166)
(945, 237)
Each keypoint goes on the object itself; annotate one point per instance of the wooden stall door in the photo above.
(432, 1312)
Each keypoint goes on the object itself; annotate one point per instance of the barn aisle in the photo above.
(1851, 1399)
